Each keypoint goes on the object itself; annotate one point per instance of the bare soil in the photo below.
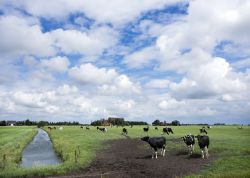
(128, 158)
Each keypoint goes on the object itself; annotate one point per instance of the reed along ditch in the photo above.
(39, 152)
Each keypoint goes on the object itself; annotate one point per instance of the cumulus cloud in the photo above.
(56, 64)
(115, 11)
(90, 74)
(20, 36)
(89, 43)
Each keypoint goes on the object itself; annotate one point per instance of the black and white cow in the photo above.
(102, 129)
(156, 128)
(203, 142)
(125, 131)
(87, 128)
(190, 141)
(146, 129)
(203, 130)
(167, 130)
(156, 143)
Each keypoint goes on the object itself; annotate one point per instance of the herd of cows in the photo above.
(160, 142)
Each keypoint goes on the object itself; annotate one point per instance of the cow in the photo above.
(54, 127)
(156, 128)
(203, 142)
(209, 126)
(87, 128)
(146, 129)
(102, 129)
(49, 128)
(81, 126)
(155, 143)
(190, 141)
(125, 131)
(203, 130)
(167, 130)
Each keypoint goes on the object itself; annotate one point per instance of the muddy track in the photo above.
(132, 158)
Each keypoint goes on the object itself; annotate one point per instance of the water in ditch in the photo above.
(39, 152)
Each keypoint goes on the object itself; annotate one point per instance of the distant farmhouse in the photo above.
(10, 123)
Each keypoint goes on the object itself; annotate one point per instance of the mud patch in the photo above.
(132, 158)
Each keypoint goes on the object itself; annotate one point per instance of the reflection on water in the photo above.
(39, 152)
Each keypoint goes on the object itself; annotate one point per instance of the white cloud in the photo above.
(142, 58)
(89, 43)
(20, 36)
(56, 64)
(113, 11)
(158, 83)
(90, 74)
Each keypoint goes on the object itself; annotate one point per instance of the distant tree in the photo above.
(42, 123)
(3, 123)
(156, 122)
(175, 122)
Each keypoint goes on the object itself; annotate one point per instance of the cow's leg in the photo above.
(164, 150)
(206, 152)
(153, 153)
(189, 149)
(202, 153)
(161, 152)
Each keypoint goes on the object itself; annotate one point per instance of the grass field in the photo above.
(77, 147)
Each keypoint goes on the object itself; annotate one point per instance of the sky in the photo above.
(143, 60)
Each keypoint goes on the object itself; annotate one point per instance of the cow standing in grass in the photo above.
(102, 129)
(156, 143)
(190, 141)
(167, 130)
(203, 142)
(203, 130)
(146, 129)
(125, 131)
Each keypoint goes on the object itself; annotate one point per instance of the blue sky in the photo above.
(137, 59)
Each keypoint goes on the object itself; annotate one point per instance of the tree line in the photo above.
(27, 122)
(116, 121)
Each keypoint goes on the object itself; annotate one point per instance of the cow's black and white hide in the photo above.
(156, 143)
(102, 129)
(203, 130)
(203, 142)
(167, 130)
(189, 140)
(146, 129)
(125, 131)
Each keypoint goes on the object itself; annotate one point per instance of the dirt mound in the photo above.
(132, 158)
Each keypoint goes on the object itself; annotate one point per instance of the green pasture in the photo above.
(77, 147)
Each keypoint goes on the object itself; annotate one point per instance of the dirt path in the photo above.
(132, 158)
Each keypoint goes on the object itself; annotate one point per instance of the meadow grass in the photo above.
(13, 141)
(78, 147)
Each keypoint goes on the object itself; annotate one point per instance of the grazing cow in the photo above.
(102, 129)
(203, 142)
(131, 126)
(156, 128)
(81, 126)
(190, 141)
(145, 129)
(54, 127)
(155, 143)
(209, 126)
(167, 130)
(203, 130)
(49, 128)
(87, 128)
(125, 131)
